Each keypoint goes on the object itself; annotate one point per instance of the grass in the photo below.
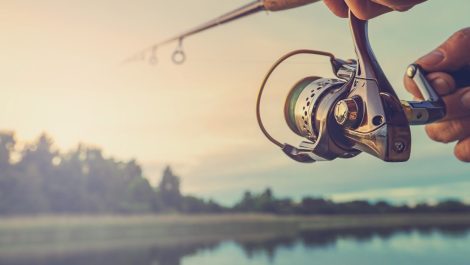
(64, 234)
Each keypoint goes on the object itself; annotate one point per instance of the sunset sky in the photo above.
(61, 72)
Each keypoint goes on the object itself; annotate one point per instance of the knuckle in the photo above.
(461, 36)
(451, 133)
(434, 133)
(446, 132)
(455, 50)
(443, 83)
(462, 151)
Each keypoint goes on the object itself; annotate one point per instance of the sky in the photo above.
(61, 72)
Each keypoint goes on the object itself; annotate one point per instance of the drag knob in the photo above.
(348, 112)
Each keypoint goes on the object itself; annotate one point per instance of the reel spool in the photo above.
(309, 113)
(302, 103)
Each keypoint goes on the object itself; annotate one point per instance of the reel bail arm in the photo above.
(304, 153)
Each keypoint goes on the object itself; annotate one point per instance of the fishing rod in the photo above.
(179, 56)
(356, 111)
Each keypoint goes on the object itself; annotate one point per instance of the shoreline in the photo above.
(47, 235)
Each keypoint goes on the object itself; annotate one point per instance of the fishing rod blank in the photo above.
(179, 56)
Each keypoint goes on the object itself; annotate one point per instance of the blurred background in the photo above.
(107, 162)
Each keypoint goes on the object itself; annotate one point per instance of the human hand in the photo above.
(451, 56)
(367, 9)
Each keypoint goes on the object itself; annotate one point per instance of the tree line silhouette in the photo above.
(37, 178)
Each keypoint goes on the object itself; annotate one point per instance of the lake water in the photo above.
(429, 246)
(400, 248)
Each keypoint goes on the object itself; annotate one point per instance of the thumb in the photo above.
(452, 55)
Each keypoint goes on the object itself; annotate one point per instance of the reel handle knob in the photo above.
(432, 108)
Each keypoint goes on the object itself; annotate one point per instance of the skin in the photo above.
(452, 55)
(367, 9)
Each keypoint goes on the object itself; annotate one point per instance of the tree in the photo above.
(451, 205)
(7, 145)
(311, 205)
(169, 190)
(8, 180)
(38, 178)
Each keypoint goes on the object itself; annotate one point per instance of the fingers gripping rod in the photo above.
(246, 10)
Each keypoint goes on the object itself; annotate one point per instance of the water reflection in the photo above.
(266, 246)
(328, 238)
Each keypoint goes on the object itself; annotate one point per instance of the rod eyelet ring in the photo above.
(178, 57)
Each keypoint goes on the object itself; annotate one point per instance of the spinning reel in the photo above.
(356, 112)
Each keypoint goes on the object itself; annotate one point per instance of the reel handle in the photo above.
(432, 108)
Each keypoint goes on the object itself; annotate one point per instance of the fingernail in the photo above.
(441, 85)
(466, 99)
(432, 58)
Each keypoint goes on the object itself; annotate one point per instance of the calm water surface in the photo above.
(400, 248)
(429, 246)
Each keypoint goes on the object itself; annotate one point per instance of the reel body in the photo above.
(356, 112)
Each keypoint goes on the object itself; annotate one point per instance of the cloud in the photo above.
(413, 194)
